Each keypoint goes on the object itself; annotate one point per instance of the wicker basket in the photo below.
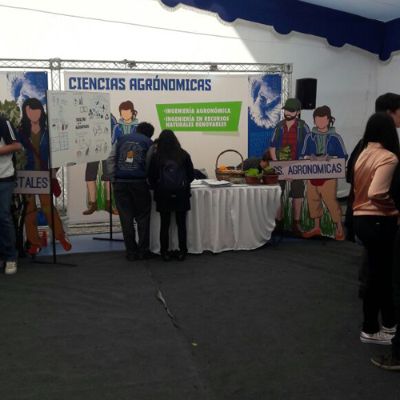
(231, 175)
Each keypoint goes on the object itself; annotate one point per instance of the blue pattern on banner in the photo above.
(28, 85)
(264, 111)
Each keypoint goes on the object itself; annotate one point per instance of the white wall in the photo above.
(347, 77)
(388, 75)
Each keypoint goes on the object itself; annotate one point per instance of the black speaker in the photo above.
(306, 92)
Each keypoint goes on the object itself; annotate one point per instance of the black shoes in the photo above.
(140, 256)
(388, 362)
(166, 256)
(169, 255)
(181, 255)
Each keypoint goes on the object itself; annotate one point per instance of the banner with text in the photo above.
(33, 182)
(308, 169)
(208, 113)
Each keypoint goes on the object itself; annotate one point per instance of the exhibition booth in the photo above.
(211, 106)
(210, 111)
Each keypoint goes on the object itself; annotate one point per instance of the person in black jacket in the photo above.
(170, 174)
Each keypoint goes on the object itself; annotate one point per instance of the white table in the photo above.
(238, 217)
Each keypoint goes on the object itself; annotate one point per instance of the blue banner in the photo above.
(265, 103)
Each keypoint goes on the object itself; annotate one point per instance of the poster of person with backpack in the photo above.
(98, 185)
(170, 174)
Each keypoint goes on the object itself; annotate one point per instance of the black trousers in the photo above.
(396, 294)
(165, 217)
(377, 235)
(133, 201)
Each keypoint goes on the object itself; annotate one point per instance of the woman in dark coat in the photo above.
(170, 174)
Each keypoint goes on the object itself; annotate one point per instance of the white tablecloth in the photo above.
(225, 218)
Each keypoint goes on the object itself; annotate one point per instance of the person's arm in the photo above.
(189, 168)
(153, 173)
(149, 155)
(395, 187)
(378, 191)
(337, 150)
(272, 153)
(112, 162)
(8, 134)
(274, 143)
(305, 152)
(10, 148)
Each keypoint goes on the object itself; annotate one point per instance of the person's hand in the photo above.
(263, 164)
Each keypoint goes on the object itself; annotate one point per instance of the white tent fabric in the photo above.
(349, 79)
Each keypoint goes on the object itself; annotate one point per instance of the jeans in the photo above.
(7, 228)
(164, 230)
(377, 234)
(133, 201)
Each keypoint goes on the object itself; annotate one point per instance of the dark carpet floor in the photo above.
(275, 323)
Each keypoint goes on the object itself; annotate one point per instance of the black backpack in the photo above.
(172, 177)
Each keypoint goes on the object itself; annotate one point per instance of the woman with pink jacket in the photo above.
(375, 219)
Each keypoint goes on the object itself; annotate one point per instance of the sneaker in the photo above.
(65, 243)
(10, 267)
(390, 331)
(377, 338)
(386, 362)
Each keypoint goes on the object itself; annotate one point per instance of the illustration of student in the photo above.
(124, 126)
(34, 137)
(323, 143)
(127, 123)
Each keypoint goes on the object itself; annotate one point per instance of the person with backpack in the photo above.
(127, 169)
(170, 174)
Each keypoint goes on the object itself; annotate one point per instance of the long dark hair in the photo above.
(34, 104)
(382, 129)
(168, 147)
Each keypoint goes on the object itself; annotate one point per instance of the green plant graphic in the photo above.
(306, 222)
(9, 109)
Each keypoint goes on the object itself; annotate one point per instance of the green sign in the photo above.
(200, 117)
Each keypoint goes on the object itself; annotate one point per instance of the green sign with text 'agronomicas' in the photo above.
(200, 117)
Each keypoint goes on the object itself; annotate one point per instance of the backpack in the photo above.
(172, 177)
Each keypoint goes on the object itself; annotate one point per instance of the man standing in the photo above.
(286, 144)
(127, 169)
(8, 146)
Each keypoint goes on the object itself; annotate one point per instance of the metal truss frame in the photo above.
(56, 67)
